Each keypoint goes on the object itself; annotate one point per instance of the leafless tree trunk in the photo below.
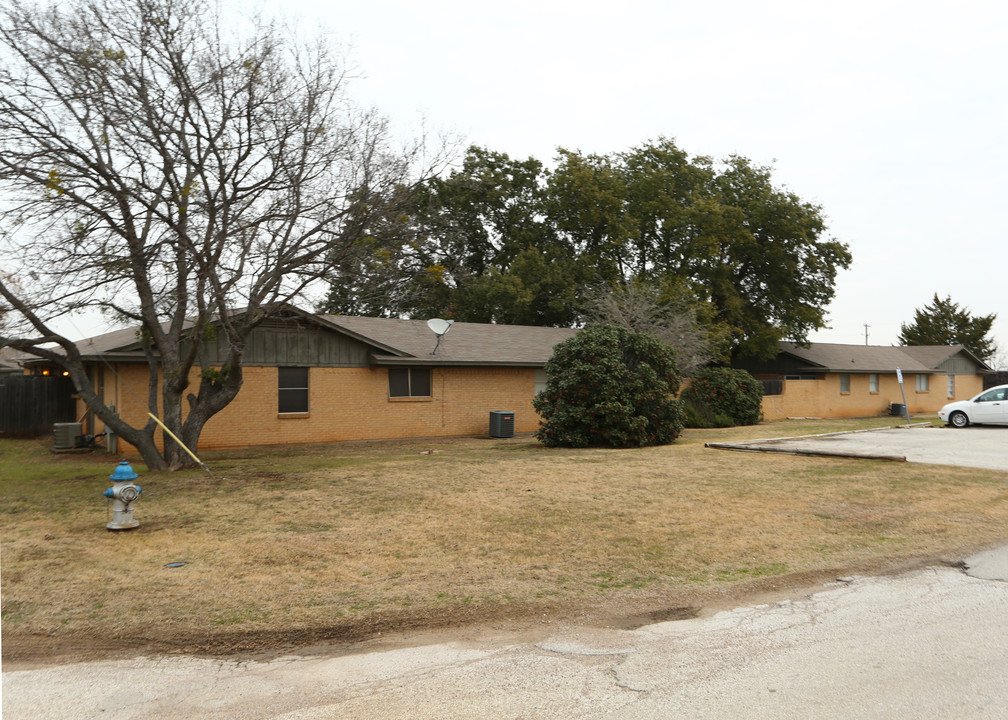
(169, 165)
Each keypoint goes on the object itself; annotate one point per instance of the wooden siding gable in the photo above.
(294, 342)
(961, 364)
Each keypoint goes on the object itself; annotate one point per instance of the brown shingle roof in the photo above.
(394, 341)
(464, 344)
(935, 355)
(860, 358)
(125, 340)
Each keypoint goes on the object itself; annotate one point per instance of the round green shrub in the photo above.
(608, 386)
(720, 397)
(703, 418)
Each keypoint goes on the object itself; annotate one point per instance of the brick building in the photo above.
(318, 378)
(835, 380)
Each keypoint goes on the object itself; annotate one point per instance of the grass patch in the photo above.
(340, 540)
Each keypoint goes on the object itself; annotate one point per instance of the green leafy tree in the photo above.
(668, 198)
(610, 386)
(774, 274)
(943, 322)
(751, 251)
(536, 288)
(722, 397)
(475, 247)
(506, 240)
(586, 200)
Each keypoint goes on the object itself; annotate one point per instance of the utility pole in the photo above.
(866, 326)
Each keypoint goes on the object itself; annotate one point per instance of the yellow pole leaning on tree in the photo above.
(181, 444)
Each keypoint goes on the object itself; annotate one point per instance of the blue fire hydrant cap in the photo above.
(123, 472)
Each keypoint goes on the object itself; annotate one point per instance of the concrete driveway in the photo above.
(981, 447)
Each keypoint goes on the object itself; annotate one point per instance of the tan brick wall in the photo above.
(822, 398)
(125, 389)
(352, 404)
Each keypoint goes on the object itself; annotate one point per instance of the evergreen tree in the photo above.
(943, 322)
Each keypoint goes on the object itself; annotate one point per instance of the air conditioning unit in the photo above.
(501, 424)
(66, 435)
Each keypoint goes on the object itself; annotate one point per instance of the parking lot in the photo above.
(974, 446)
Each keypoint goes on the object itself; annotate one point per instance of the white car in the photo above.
(990, 406)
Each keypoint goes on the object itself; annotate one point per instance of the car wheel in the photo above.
(958, 419)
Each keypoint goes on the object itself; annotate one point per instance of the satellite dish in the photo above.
(439, 327)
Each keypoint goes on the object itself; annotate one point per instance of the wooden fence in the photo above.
(30, 404)
(995, 378)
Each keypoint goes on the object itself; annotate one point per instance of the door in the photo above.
(991, 407)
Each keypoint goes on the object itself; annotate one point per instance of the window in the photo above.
(845, 382)
(409, 382)
(951, 385)
(540, 380)
(923, 383)
(292, 390)
(773, 387)
(995, 395)
(873, 382)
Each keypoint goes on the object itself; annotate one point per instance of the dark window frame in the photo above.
(405, 383)
(293, 390)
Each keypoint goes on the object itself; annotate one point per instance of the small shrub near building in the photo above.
(612, 387)
(723, 397)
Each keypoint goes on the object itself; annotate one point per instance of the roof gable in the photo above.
(830, 357)
(940, 355)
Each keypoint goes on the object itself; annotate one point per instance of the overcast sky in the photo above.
(890, 115)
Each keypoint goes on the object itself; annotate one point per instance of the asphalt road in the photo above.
(931, 643)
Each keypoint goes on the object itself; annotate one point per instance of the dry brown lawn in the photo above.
(292, 545)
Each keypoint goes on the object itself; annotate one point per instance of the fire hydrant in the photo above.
(123, 494)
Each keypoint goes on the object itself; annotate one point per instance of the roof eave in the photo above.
(868, 371)
(402, 361)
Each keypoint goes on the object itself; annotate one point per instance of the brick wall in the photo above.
(824, 398)
(353, 404)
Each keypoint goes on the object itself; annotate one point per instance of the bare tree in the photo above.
(7, 319)
(671, 315)
(169, 165)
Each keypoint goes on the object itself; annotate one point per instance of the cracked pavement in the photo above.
(925, 644)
